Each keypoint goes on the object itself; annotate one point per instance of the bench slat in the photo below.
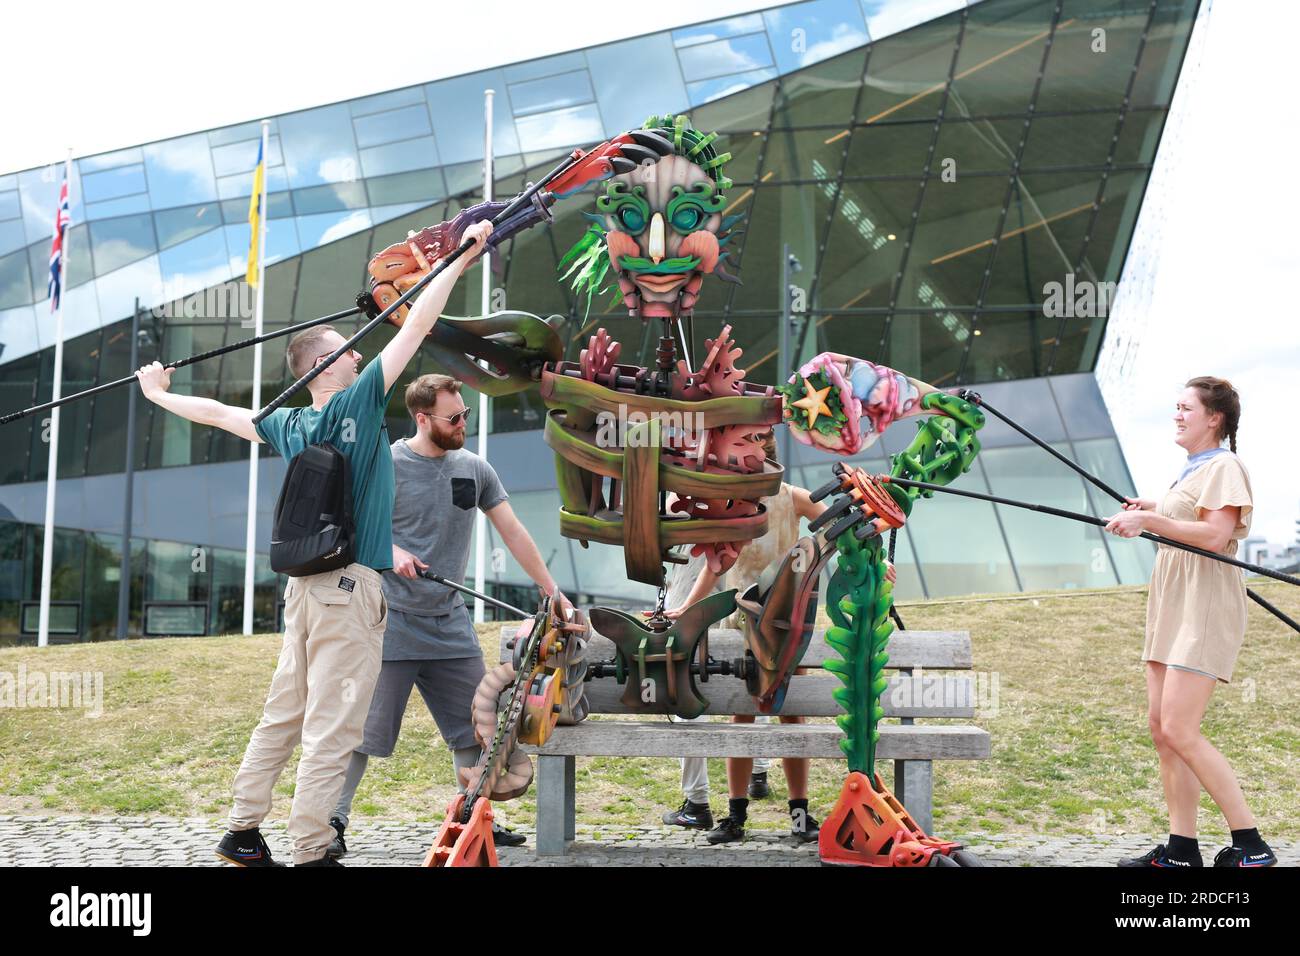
(663, 739)
(943, 650)
(810, 696)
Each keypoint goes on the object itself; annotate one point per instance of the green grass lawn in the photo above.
(1070, 745)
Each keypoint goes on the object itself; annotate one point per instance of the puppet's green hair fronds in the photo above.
(693, 145)
(588, 264)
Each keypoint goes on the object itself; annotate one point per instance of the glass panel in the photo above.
(456, 106)
(399, 157)
(1114, 226)
(11, 579)
(890, 150)
(1042, 235)
(9, 206)
(406, 123)
(15, 280)
(80, 368)
(1050, 552)
(546, 66)
(552, 92)
(117, 207)
(196, 263)
(423, 185)
(12, 235)
(906, 76)
(318, 146)
(233, 134)
(180, 171)
(865, 243)
(1078, 140)
(625, 98)
(1079, 74)
(717, 29)
(708, 90)
(331, 198)
(1001, 53)
(721, 57)
(177, 225)
(1138, 138)
(959, 547)
(824, 95)
(805, 33)
(242, 157)
(950, 249)
(1161, 57)
(19, 388)
(240, 185)
(106, 436)
(119, 242)
(121, 157)
(112, 183)
(801, 155)
(975, 146)
(387, 101)
(568, 127)
(1133, 559)
(319, 230)
(1006, 346)
(748, 110)
(932, 343)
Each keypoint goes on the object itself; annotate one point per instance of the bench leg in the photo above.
(913, 780)
(555, 804)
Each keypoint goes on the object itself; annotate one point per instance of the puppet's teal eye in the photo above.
(687, 218)
(631, 219)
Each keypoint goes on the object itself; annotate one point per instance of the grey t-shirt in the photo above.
(433, 518)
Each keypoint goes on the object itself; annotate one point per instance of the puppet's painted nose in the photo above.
(657, 239)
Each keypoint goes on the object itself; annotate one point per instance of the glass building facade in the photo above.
(932, 166)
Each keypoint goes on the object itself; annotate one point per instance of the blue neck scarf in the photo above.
(1197, 460)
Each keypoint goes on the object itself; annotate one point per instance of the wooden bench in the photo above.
(913, 747)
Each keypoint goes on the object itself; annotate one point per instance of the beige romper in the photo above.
(1196, 611)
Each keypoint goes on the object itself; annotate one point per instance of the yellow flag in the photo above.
(254, 220)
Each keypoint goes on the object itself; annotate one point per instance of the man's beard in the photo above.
(450, 441)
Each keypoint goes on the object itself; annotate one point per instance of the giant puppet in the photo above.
(625, 437)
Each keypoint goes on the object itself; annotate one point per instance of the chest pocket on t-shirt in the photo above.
(464, 493)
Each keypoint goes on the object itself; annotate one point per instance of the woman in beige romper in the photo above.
(1196, 620)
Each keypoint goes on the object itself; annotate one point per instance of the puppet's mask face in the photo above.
(661, 226)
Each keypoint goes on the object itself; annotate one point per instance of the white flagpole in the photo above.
(52, 473)
(250, 541)
(485, 401)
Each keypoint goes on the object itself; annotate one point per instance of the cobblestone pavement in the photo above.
(145, 841)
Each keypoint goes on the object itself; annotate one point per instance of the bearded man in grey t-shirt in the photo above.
(429, 642)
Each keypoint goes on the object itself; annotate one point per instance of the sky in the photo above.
(1221, 299)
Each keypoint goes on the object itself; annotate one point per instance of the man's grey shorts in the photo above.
(447, 687)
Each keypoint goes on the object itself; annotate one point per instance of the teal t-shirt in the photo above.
(353, 422)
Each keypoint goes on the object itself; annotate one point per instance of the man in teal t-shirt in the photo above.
(333, 621)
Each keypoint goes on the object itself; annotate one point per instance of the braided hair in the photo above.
(1218, 395)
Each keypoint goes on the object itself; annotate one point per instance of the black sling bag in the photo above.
(314, 530)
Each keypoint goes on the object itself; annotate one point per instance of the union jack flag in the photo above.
(61, 221)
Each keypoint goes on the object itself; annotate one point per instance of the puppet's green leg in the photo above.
(858, 601)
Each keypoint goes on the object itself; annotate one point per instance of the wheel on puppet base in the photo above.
(464, 844)
(870, 827)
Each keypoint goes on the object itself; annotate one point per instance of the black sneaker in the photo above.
(693, 816)
(326, 860)
(503, 837)
(758, 788)
(245, 848)
(728, 830)
(1158, 857)
(804, 827)
(1236, 856)
(338, 847)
